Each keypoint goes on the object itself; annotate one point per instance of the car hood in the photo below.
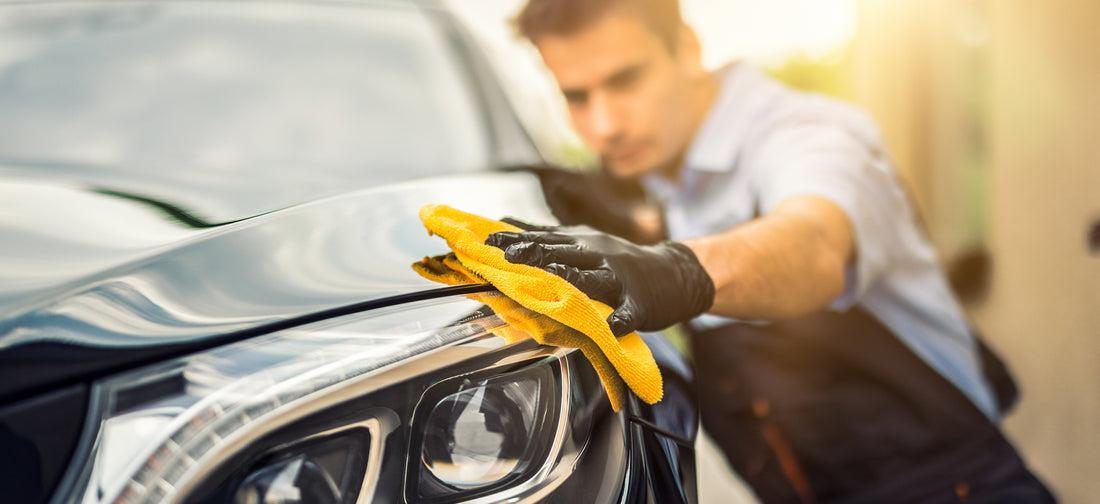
(101, 268)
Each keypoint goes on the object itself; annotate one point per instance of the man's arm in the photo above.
(784, 265)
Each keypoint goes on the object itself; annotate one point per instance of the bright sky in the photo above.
(766, 32)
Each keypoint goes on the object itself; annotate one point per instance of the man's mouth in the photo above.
(625, 154)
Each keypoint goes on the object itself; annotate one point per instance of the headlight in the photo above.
(328, 470)
(418, 401)
(481, 433)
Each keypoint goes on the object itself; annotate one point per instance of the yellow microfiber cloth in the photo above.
(617, 360)
(523, 323)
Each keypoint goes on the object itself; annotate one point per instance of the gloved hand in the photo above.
(650, 287)
(600, 200)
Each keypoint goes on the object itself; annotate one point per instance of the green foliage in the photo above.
(828, 75)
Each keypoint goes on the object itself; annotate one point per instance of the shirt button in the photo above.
(962, 490)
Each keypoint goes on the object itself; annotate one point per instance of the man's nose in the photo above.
(604, 118)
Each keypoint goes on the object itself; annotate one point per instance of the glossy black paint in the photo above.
(677, 414)
(669, 466)
(160, 260)
(233, 279)
(662, 435)
(37, 437)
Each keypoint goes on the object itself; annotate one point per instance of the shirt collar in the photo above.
(715, 146)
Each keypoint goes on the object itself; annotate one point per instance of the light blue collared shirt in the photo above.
(762, 143)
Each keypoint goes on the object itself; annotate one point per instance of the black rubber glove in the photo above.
(650, 286)
(600, 200)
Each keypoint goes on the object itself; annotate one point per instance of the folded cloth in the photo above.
(522, 323)
(618, 360)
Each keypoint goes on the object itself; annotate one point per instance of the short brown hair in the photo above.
(564, 17)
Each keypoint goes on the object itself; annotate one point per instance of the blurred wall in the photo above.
(1045, 308)
(992, 110)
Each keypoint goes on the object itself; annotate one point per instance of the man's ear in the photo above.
(689, 53)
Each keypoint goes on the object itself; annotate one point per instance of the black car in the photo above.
(208, 212)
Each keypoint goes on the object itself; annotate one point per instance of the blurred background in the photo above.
(992, 112)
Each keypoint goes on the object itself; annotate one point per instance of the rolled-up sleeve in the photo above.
(830, 162)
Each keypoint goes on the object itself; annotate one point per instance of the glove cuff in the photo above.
(696, 284)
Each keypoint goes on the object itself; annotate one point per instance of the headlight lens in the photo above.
(480, 433)
(324, 472)
(294, 481)
(483, 433)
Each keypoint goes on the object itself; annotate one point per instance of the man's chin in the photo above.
(626, 170)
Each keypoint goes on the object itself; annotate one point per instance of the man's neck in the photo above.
(703, 94)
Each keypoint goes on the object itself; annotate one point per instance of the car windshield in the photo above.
(367, 92)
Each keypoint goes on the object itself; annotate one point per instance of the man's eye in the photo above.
(575, 98)
(626, 79)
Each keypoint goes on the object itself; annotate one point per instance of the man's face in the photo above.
(628, 95)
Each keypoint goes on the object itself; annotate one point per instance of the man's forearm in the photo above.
(784, 265)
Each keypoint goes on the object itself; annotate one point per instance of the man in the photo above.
(834, 362)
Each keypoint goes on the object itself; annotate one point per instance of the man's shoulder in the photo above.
(753, 111)
(774, 104)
